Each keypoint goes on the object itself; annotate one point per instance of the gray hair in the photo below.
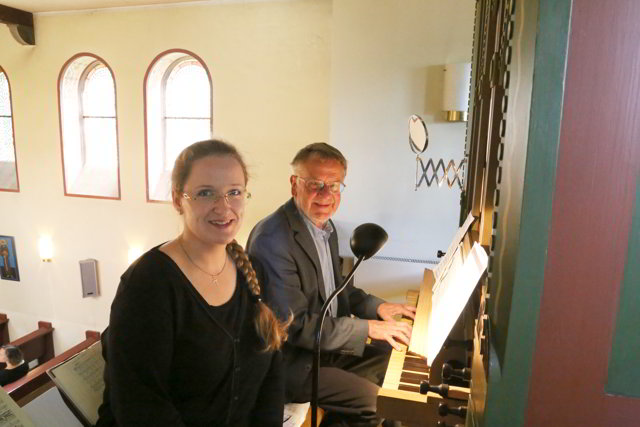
(321, 150)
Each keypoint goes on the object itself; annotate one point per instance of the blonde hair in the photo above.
(198, 150)
(272, 330)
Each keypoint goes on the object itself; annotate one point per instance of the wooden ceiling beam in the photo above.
(20, 23)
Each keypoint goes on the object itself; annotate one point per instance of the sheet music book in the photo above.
(295, 414)
(81, 379)
(11, 415)
(452, 294)
(445, 263)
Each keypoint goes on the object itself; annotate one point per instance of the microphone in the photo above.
(366, 241)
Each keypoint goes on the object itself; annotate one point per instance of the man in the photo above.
(16, 367)
(298, 246)
(6, 271)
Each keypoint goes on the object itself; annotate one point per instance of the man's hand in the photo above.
(387, 310)
(390, 331)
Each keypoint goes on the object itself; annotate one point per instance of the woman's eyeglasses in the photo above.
(234, 198)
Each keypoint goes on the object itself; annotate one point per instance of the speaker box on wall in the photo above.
(89, 277)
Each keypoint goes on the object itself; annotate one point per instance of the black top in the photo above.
(228, 314)
(7, 376)
(170, 362)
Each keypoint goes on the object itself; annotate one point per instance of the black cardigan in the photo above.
(170, 363)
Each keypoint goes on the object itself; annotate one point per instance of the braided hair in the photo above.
(272, 331)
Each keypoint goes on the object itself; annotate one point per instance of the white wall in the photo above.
(387, 62)
(285, 73)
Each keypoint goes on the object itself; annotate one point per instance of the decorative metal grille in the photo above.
(438, 173)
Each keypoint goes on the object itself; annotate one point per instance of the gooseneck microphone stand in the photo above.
(367, 239)
(316, 344)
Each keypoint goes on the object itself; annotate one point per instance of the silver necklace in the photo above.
(214, 277)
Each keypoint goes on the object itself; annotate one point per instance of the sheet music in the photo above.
(11, 415)
(445, 263)
(81, 380)
(452, 294)
(295, 414)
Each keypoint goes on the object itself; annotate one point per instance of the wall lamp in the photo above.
(45, 247)
(455, 100)
(134, 253)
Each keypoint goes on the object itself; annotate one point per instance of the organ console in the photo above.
(461, 355)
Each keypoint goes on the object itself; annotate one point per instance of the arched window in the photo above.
(89, 128)
(177, 92)
(8, 165)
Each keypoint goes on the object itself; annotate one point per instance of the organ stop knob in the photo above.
(448, 372)
(441, 389)
(444, 410)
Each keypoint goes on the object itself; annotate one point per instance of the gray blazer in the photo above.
(293, 283)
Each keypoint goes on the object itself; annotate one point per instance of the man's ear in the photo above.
(294, 184)
(176, 200)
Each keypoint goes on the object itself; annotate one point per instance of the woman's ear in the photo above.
(177, 200)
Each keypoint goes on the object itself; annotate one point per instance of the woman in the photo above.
(190, 341)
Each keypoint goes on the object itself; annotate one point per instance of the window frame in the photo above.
(13, 135)
(97, 61)
(163, 81)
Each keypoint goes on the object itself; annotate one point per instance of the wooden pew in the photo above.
(37, 381)
(4, 329)
(37, 344)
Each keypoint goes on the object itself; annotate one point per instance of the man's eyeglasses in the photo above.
(235, 198)
(316, 185)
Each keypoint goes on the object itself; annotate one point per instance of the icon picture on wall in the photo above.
(8, 259)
